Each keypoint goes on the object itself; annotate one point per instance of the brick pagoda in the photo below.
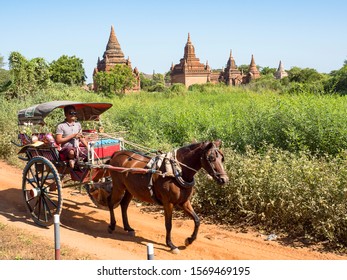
(231, 75)
(190, 71)
(113, 56)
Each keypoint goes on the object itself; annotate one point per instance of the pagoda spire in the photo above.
(231, 64)
(112, 40)
(280, 73)
(189, 50)
(280, 66)
(253, 70)
(252, 61)
(113, 45)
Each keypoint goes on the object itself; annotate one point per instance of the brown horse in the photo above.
(165, 189)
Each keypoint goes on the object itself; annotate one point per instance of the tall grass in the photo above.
(240, 118)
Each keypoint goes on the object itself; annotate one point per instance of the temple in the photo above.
(113, 56)
(231, 75)
(253, 72)
(190, 71)
(280, 73)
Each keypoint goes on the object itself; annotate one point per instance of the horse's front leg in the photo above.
(114, 199)
(168, 208)
(188, 209)
(124, 207)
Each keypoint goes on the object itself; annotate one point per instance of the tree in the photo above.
(68, 70)
(146, 83)
(2, 63)
(306, 75)
(119, 79)
(155, 83)
(267, 70)
(338, 81)
(27, 76)
(244, 68)
(5, 78)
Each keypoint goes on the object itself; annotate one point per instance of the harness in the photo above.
(172, 169)
(209, 159)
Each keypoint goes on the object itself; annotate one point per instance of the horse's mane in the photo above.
(192, 147)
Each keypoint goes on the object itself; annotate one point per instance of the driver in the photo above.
(69, 136)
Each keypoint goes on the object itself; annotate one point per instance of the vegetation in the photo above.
(22, 245)
(154, 84)
(4, 76)
(301, 195)
(27, 76)
(119, 79)
(284, 140)
(68, 70)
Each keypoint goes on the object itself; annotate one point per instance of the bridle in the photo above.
(211, 156)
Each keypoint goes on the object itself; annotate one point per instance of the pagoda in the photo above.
(114, 56)
(253, 72)
(190, 71)
(231, 75)
(280, 73)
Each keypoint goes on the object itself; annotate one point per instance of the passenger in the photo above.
(69, 136)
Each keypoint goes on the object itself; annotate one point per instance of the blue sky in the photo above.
(153, 33)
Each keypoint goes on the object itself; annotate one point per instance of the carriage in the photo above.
(111, 174)
(47, 172)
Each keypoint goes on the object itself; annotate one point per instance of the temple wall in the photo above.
(178, 79)
(197, 79)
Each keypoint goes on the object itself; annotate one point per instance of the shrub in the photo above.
(303, 195)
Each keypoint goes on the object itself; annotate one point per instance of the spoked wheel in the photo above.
(42, 190)
(99, 193)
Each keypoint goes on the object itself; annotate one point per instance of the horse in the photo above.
(169, 189)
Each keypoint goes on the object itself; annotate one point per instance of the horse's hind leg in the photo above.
(124, 207)
(188, 209)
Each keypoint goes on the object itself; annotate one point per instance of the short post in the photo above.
(150, 251)
(57, 236)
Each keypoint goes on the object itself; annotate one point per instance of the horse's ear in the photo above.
(207, 145)
(218, 143)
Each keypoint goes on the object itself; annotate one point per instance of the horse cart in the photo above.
(47, 172)
(111, 174)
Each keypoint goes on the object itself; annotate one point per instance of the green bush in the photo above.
(303, 195)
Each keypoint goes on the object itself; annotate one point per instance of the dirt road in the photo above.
(84, 227)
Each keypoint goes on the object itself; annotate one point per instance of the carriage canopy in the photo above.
(85, 111)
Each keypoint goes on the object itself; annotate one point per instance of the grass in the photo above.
(18, 244)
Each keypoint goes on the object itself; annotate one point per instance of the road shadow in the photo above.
(75, 216)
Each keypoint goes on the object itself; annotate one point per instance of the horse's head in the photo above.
(212, 161)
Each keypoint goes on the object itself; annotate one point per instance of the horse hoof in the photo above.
(110, 230)
(188, 241)
(175, 251)
(131, 233)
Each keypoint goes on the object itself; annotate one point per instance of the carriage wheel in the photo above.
(99, 192)
(42, 190)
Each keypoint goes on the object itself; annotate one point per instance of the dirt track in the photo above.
(83, 226)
